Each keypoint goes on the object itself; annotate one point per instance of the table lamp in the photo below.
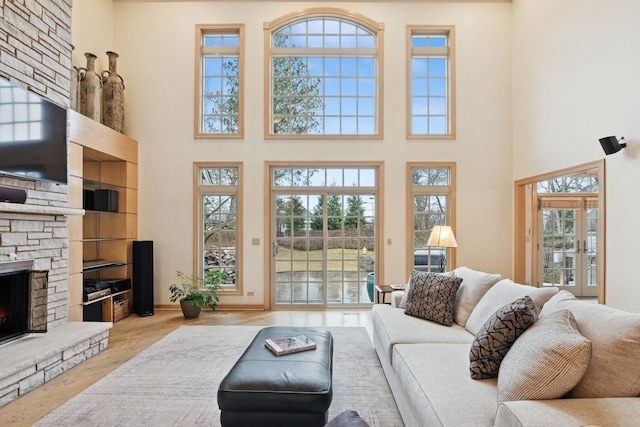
(442, 236)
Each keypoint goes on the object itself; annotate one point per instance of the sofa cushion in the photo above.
(391, 326)
(431, 296)
(474, 285)
(614, 369)
(609, 412)
(503, 293)
(437, 386)
(498, 334)
(546, 362)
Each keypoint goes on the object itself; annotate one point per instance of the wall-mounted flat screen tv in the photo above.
(33, 135)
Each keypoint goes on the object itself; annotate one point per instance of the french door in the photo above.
(568, 244)
(323, 244)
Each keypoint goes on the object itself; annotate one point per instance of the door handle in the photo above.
(274, 249)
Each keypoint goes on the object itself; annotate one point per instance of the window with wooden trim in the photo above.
(219, 225)
(430, 203)
(324, 75)
(430, 82)
(219, 73)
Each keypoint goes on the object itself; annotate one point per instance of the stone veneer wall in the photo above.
(35, 46)
(35, 52)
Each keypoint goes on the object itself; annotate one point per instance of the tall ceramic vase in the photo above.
(90, 85)
(113, 96)
(74, 80)
(73, 90)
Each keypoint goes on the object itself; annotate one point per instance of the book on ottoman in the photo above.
(287, 345)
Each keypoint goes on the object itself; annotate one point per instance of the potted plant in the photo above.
(195, 292)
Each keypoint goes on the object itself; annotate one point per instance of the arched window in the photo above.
(323, 75)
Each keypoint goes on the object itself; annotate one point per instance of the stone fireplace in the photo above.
(34, 281)
(36, 52)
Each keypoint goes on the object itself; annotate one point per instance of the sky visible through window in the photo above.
(428, 86)
(220, 98)
(316, 87)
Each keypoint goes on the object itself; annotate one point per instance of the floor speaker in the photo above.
(143, 277)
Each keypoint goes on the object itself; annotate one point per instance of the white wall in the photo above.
(575, 80)
(156, 40)
(92, 31)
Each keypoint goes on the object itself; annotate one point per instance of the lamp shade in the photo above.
(442, 236)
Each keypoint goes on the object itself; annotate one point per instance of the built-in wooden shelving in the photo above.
(100, 158)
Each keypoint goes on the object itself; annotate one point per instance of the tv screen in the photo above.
(33, 135)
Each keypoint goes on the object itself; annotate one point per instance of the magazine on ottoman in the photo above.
(287, 345)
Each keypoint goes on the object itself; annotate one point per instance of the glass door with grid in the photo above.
(323, 249)
(569, 245)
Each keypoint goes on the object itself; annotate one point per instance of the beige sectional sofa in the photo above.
(427, 363)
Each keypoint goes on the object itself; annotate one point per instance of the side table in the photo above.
(382, 290)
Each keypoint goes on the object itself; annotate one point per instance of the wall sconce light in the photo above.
(442, 236)
(610, 144)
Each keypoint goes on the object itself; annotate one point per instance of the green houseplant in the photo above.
(194, 292)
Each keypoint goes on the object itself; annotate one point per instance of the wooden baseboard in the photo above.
(225, 307)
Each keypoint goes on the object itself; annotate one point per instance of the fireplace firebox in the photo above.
(23, 300)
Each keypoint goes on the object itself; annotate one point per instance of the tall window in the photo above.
(430, 203)
(430, 85)
(219, 225)
(219, 81)
(324, 75)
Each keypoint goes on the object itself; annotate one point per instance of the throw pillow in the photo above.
(503, 293)
(403, 299)
(347, 418)
(546, 362)
(498, 334)
(474, 285)
(431, 296)
(615, 346)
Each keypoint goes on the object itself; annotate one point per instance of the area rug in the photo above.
(175, 381)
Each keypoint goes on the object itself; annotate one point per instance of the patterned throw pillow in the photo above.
(403, 299)
(546, 362)
(348, 418)
(498, 334)
(431, 296)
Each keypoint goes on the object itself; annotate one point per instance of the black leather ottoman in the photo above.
(266, 390)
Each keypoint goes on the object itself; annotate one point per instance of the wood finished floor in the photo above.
(133, 334)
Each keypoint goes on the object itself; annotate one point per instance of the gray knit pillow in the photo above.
(497, 335)
(546, 362)
(431, 296)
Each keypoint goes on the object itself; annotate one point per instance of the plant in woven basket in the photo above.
(195, 292)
